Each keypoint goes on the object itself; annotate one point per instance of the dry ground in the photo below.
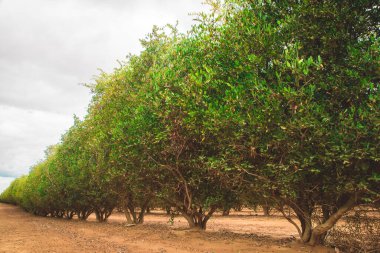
(23, 232)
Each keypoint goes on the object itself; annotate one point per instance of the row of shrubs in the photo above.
(262, 102)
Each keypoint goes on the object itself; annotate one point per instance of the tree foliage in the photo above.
(271, 102)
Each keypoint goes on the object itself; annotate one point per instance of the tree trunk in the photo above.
(306, 231)
(141, 216)
(128, 216)
(195, 222)
(326, 212)
(69, 214)
(304, 216)
(197, 219)
(320, 230)
(303, 211)
(99, 216)
(83, 214)
(189, 220)
(266, 210)
(102, 214)
(130, 210)
(226, 211)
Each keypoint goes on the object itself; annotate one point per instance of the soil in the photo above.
(241, 232)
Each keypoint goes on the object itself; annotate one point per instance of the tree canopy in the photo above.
(267, 101)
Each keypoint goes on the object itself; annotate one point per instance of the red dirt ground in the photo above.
(23, 232)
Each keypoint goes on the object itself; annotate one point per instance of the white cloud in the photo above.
(24, 135)
(5, 182)
(48, 48)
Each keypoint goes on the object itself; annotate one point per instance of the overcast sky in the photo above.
(48, 48)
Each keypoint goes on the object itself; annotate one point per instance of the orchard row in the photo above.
(262, 102)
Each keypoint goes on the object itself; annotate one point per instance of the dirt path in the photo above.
(23, 232)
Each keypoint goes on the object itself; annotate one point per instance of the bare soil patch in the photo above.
(240, 233)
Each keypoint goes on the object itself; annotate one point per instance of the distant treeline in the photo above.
(274, 102)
